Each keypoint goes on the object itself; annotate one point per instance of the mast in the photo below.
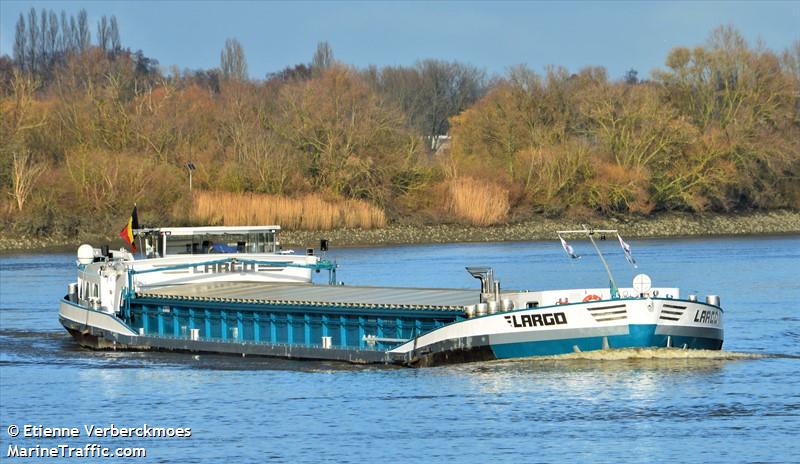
(590, 233)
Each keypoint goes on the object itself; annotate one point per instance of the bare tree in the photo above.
(84, 38)
(232, 61)
(323, 58)
(20, 40)
(33, 41)
(52, 36)
(430, 92)
(103, 33)
(73, 34)
(64, 40)
(43, 56)
(790, 60)
(116, 46)
(399, 83)
(24, 174)
(446, 89)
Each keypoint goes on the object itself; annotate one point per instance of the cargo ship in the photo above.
(233, 290)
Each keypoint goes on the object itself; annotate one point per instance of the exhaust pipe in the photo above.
(486, 276)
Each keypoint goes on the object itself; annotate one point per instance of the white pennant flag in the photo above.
(568, 248)
(627, 249)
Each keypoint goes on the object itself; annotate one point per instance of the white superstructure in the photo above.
(187, 255)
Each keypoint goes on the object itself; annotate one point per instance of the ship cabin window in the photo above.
(532, 304)
(244, 242)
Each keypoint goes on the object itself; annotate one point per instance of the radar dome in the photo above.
(642, 283)
(85, 254)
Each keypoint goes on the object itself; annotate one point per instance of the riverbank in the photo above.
(665, 225)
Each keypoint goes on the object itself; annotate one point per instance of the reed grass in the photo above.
(309, 212)
(477, 202)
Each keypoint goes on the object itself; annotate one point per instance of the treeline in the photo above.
(716, 130)
(95, 129)
(46, 39)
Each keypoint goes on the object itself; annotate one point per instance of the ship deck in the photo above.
(314, 295)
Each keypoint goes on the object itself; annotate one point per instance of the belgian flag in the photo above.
(127, 232)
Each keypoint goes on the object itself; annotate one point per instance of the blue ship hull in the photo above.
(640, 336)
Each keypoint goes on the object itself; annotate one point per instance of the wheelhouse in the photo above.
(170, 241)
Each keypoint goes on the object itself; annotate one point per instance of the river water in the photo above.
(740, 405)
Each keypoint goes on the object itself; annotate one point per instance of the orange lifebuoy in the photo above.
(591, 298)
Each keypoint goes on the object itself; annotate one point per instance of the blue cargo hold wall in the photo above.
(284, 324)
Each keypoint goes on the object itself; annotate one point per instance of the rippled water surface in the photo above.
(741, 405)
